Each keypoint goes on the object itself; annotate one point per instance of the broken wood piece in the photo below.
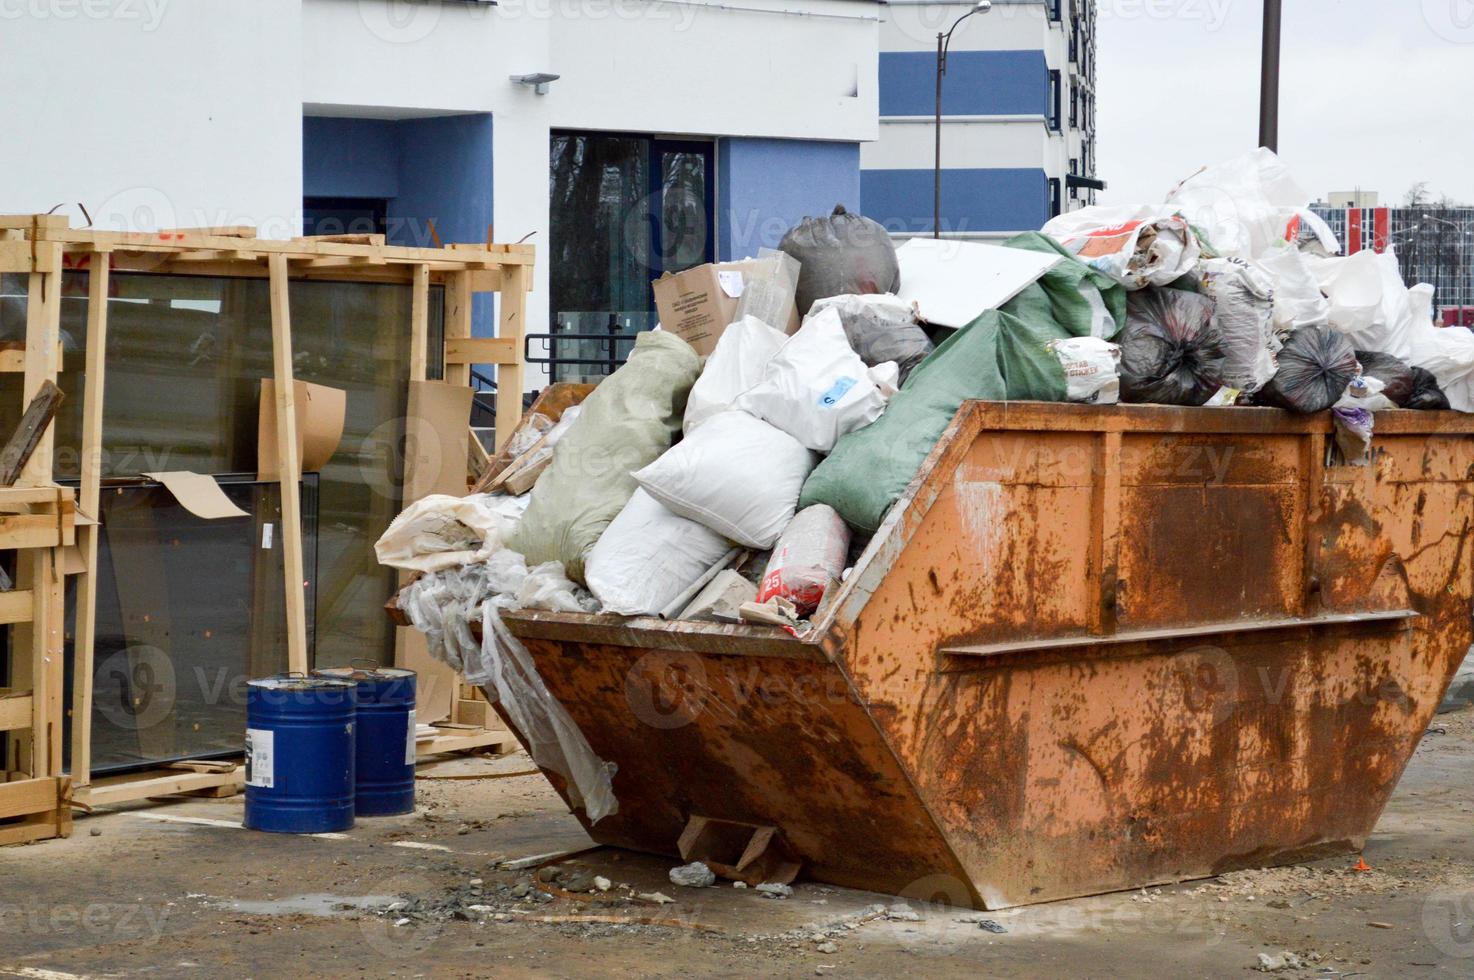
(524, 477)
(27, 436)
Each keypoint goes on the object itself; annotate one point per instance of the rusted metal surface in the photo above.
(1037, 682)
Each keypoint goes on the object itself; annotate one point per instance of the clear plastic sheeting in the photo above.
(442, 604)
(1243, 312)
(440, 531)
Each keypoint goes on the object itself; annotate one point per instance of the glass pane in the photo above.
(186, 355)
(187, 612)
(685, 224)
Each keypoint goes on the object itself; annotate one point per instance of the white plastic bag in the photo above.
(808, 559)
(816, 388)
(1298, 301)
(1367, 300)
(1092, 369)
(1244, 206)
(1447, 352)
(742, 353)
(1136, 246)
(441, 531)
(648, 556)
(1243, 312)
(736, 474)
(880, 327)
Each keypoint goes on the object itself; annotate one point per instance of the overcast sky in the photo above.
(1375, 94)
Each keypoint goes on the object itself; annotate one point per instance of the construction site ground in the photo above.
(463, 887)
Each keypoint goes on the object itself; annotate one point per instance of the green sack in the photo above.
(1000, 355)
(625, 424)
(870, 467)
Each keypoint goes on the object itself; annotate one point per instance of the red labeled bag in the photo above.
(809, 556)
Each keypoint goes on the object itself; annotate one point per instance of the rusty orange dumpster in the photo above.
(1089, 649)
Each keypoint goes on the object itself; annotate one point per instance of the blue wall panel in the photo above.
(766, 186)
(349, 158)
(978, 83)
(444, 175)
(999, 199)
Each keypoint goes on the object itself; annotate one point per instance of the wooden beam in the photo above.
(458, 305)
(511, 325)
(479, 350)
(15, 709)
(15, 606)
(289, 463)
(89, 500)
(419, 323)
(43, 336)
(13, 359)
(127, 789)
(27, 436)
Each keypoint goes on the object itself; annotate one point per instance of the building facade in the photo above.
(1434, 244)
(674, 132)
(1018, 117)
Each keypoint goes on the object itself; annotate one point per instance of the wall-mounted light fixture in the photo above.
(538, 80)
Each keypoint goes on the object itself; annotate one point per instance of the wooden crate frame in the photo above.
(44, 247)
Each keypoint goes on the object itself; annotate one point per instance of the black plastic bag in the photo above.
(843, 253)
(1395, 374)
(1171, 351)
(880, 329)
(1316, 365)
(1426, 394)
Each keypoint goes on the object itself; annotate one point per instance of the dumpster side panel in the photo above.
(1106, 668)
(769, 740)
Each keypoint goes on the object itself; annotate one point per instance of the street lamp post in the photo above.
(943, 41)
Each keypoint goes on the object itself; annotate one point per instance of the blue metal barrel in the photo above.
(299, 754)
(385, 756)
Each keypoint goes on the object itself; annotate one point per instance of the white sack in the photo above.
(441, 531)
(1298, 301)
(1243, 312)
(742, 352)
(1244, 206)
(1367, 299)
(1136, 246)
(648, 556)
(808, 559)
(1092, 369)
(817, 388)
(1447, 352)
(736, 474)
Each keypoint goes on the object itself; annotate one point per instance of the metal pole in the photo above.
(936, 204)
(1269, 78)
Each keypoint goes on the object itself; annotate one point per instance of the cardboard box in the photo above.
(698, 304)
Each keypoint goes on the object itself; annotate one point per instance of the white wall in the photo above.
(152, 113)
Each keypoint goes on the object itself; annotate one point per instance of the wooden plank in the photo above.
(30, 531)
(286, 454)
(89, 500)
(15, 710)
(479, 350)
(27, 435)
(15, 606)
(511, 326)
(458, 740)
(419, 323)
(39, 564)
(43, 336)
(458, 307)
(141, 786)
(13, 359)
(37, 827)
(29, 796)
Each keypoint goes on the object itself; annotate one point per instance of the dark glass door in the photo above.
(624, 210)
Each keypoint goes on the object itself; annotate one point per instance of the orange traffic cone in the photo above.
(1361, 864)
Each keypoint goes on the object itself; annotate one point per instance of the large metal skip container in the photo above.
(1091, 649)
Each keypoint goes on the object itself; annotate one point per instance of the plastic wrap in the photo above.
(769, 290)
(1243, 314)
(1171, 352)
(808, 559)
(441, 531)
(1316, 365)
(1245, 206)
(816, 388)
(880, 328)
(839, 254)
(1136, 246)
(1447, 352)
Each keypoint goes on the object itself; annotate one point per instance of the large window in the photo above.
(625, 210)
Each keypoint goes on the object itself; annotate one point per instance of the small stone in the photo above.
(901, 912)
(739, 884)
(475, 881)
(693, 875)
(773, 889)
(96, 831)
(659, 898)
(988, 925)
(602, 883)
(1380, 925)
(579, 881)
(1279, 903)
(827, 947)
(1273, 963)
(547, 874)
(521, 889)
